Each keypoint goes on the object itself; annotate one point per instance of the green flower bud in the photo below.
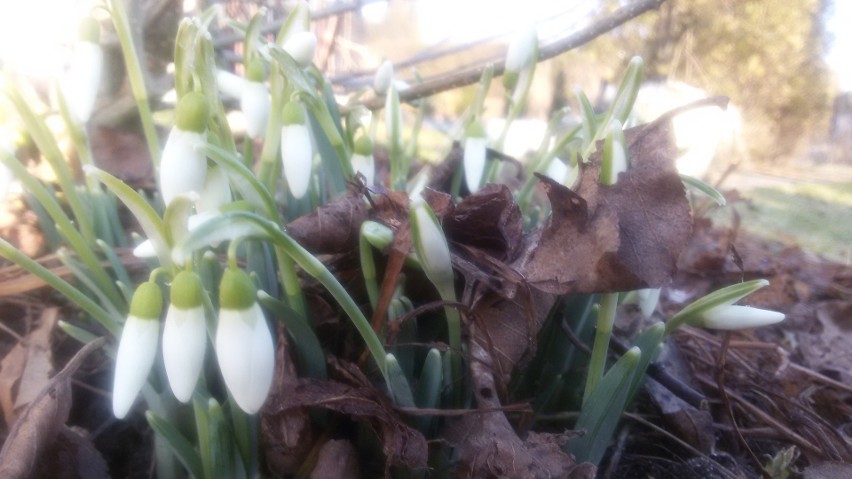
(89, 30)
(186, 292)
(192, 113)
(363, 145)
(293, 114)
(255, 71)
(236, 291)
(147, 302)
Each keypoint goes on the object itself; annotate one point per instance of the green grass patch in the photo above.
(817, 217)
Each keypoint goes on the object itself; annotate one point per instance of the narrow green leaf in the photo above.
(181, 446)
(700, 186)
(602, 411)
(148, 219)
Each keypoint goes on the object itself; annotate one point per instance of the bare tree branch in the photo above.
(448, 81)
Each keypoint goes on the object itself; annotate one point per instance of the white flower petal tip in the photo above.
(145, 249)
(521, 50)
(557, 170)
(430, 244)
(474, 162)
(184, 345)
(229, 84)
(183, 167)
(733, 317)
(136, 352)
(297, 156)
(365, 165)
(84, 80)
(216, 192)
(648, 299)
(254, 102)
(302, 46)
(246, 356)
(383, 78)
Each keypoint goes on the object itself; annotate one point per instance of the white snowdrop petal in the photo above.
(297, 156)
(432, 246)
(732, 317)
(383, 78)
(136, 351)
(302, 46)
(254, 103)
(365, 164)
(216, 191)
(246, 356)
(557, 170)
(85, 77)
(229, 84)
(474, 162)
(183, 165)
(520, 51)
(184, 345)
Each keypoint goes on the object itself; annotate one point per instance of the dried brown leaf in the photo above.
(42, 421)
(488, 220)
(402, 445)
(338, 459)
(26, 369)
(615, 238)
(332, 228)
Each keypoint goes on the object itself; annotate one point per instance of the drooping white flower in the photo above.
(614, 159)
(229, 84)
(184, 335)
(297, 153)
(183, 165)
(84, 76)
(430, 244)
(383, 78)
(216, 192)
(522, 52)
(362, 159)
(557, 170)
(730, 317)
(254, 100)
(648, 299)
(137, 347)
(244, 346)
(474, 155)
(302, 46)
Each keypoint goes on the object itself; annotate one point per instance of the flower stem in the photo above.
(597, 363)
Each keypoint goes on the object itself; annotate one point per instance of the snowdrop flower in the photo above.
(84, 76)
(254, 100)
(648, 299)
(718, 311)
(215, 194)
(137, 347)
(243, 342)
(296, 149)
(362, 159)
(184, 335)
(474, 155)
(614, 158)
(384, 77)
(183, 166)
(302, 46)
(229, 84)
(520, 54)
(431, 245)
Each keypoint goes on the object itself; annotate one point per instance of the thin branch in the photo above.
(470, 76)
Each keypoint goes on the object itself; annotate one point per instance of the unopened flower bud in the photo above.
(184, 335)
(474, 155)
(383, 78)
(297, 152)
(183, 165)
(302, 46)
(362, 159)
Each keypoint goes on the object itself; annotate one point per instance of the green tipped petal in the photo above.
(192, 113)
(236, 291)
(475, 130)
(147, 302)
(363, 145)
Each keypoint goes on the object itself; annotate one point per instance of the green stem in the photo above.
(136, 77)
(597, 363)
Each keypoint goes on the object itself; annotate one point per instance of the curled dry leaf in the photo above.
(615, 238)
(332, 228)
(43, 420)
(403, 446)
(337, 459)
